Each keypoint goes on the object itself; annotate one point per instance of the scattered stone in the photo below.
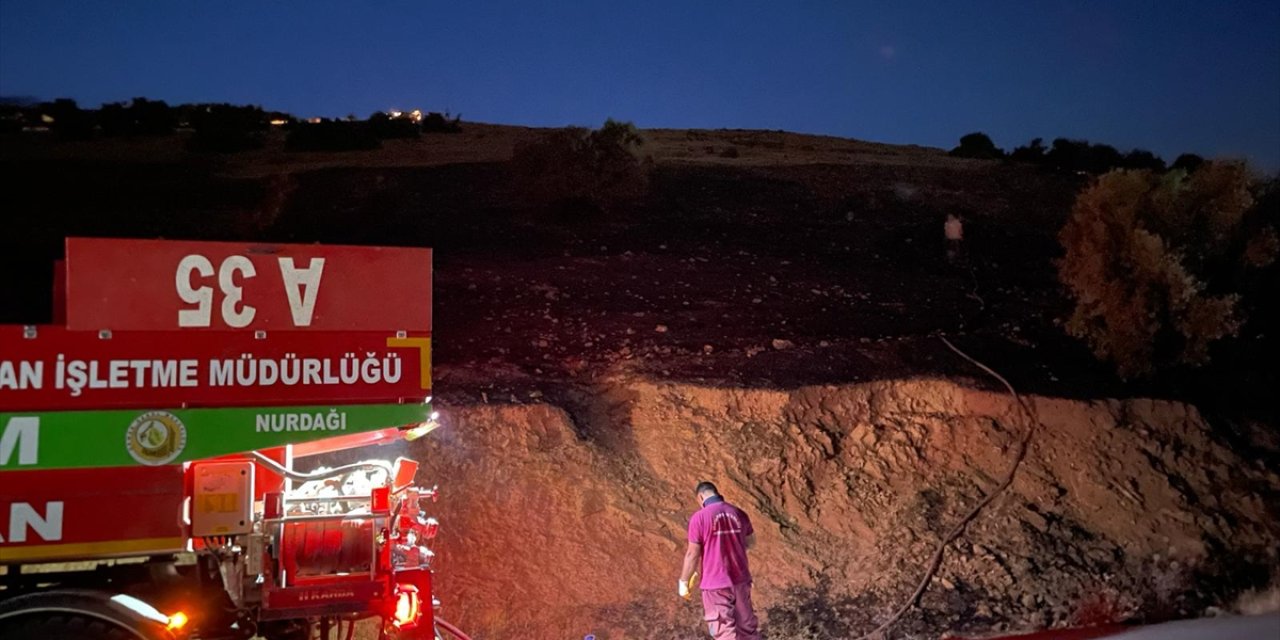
(662, 328)
(1038, 619)
(782, 345)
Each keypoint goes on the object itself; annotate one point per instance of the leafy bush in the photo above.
(1155, 263)
(977, 145)
(580, 169)
(331, 135)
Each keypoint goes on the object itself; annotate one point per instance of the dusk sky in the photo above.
(1168, 76)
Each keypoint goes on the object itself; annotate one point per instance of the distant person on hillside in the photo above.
(953, 229)
(719, 536)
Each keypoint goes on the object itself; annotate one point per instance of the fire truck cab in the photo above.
(206, 442)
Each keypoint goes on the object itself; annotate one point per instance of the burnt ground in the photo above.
(803, 260)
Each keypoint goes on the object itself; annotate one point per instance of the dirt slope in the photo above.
(561, 523)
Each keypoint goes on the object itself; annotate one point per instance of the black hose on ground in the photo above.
(936, 560)
(453, 631)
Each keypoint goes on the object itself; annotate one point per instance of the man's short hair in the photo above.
(705, 486)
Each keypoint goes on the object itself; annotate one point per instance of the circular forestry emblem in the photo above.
(155, 438)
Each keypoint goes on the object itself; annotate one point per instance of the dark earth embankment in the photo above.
(563, 522)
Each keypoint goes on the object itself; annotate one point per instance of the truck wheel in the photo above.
(62, 627)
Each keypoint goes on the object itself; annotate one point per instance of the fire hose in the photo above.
(453, 631)
(320, 474)
(936, 560)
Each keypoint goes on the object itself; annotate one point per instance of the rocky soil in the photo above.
(564, 520)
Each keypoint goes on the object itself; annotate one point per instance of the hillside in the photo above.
(766, 316)
(833, 246)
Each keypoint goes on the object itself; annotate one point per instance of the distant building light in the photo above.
(279, 123)
(315, 120)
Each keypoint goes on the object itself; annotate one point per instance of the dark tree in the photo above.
(1188, 162)
(1032, 153)
(225, 128)
(1080, 156)
(977, 145)
(67, 121)
(141, 117)
(152, 117)
(578, 172)
(1067, 154)
(384, 126)
(114, 119)
(1143, 159)
(1103, 158)
(439, 123)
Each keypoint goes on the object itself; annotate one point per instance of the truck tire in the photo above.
(62, 627)
(78, 614)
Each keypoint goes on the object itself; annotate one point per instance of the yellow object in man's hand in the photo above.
(688, 586)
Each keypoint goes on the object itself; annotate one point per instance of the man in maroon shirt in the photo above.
(720, 534)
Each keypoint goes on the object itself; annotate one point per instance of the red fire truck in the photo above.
(188, 449)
